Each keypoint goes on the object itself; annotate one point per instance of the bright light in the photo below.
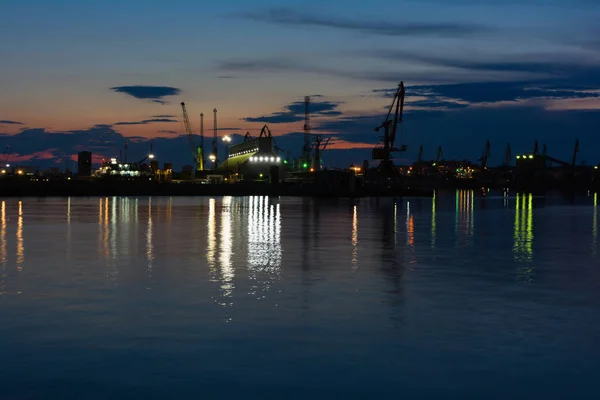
(7, 165)
(113, 160)
(261, 175)
(151, 156)
(278, 159)
(251, 158)
(3, 171)
(518, 157)
(212, 157)
(312, 170)
(595, 167)
(226, 139)
(261, 158)
(20, 172)
(530, 156)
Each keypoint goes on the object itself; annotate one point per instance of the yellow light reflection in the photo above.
(3, 253)
(227, 272)
(68, 210)
(410, 226)
(211, 235)
(149, 243)
(433, 221)
(355, 238)
(264, 243)
(20, 245)
(465, 214)
(523, 232)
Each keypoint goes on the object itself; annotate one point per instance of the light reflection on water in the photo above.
(361, 287)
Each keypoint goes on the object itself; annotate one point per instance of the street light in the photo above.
(227, 139)
(212, 158)
(151, 156)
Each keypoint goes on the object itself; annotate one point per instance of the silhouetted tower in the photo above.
(486, 155)
(202, 137)
(507, 155)
(306, 146)
(84, 163)
(440, 154)
(535, 148)
(575, 151)
(214, 143)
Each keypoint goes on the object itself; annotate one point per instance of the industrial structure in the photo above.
(384, 151)
(84, 163)
(259, 160)
(253, 159)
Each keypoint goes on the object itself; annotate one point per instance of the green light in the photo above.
(305, 165)
(285, 161)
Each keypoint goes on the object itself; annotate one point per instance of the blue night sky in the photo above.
(94, 74)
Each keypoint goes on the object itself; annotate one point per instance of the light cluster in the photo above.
(265, 159)
(239, 153)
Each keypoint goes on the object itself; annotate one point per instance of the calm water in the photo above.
(461, 296)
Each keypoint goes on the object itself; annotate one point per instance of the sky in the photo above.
(94, 75)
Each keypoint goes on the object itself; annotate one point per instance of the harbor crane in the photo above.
(439, 156)
(390, 127)
(485, 156)
(318, 151)
(196, 150)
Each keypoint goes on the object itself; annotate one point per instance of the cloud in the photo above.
(170, 132)
(294, 112)
(568, 70)
(9, 122)
(288, 17)
(275, 65)
(153, 93)
(146, 121)
(164, 116)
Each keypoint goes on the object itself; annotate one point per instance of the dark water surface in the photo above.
(461, 296)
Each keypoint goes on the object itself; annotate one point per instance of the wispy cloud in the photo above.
(275, 65)
(153, 93)
(288, 17)
(9, 122)
(146, 121)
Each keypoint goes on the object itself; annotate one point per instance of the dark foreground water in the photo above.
(456, 297)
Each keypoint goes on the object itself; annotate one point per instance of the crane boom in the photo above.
(188, 130)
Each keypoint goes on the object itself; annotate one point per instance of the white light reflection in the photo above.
(149, 244)
(264, 243)
(433, 221)
(68, 244)
(20, 245)
(226, 244)
(112, 270)
(595, 226)
(211, 235)
(355, 238)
